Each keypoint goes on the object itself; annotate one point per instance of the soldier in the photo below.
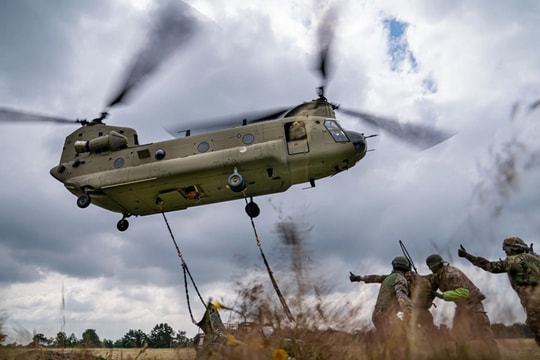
(470, 319)
(393, 298)
(420, 295)
(523, 269)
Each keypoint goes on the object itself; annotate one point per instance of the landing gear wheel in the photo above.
(83, 201)
(252, 209)
(236, 182)
(122, 225)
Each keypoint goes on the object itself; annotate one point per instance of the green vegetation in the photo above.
(161, 336)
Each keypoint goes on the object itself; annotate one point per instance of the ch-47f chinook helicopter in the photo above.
(106, 166)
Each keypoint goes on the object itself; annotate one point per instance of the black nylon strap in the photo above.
(186, 272)
(270, 273)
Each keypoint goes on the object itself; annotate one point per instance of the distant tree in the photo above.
(72, 340)
(39, 340)
(133, 339)
(516, 330)
(107, 343)
(181, 340)
(90, 338)
(161, 336)
(61, 339)
(523, 330)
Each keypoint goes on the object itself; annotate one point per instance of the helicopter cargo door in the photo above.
(296, 135)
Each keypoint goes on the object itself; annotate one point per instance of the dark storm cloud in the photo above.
(37, 42)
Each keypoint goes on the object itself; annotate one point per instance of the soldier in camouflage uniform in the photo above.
(421, 296)
(523, 269)
(470, 319)
(393, 298)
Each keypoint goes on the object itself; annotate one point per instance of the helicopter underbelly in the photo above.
(187, 192)
(179, 183)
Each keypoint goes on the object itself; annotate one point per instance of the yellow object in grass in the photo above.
(279, 354)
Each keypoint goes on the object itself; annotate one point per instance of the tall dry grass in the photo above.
(323, 327)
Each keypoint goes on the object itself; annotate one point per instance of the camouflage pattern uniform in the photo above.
(421, 297)
(393, 297)
(470, 319)
(523, 271)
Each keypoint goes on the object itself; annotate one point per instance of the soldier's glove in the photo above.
(438, 294)
(463, 253)
(354, 278)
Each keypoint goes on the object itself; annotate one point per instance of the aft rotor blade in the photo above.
(229, 121)
(420, 136)
(175, 25)
(11, 115)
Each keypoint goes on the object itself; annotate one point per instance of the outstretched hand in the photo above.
(463, 253)
(353, 277)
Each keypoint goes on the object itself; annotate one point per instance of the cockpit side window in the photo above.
(297, 137)
(295, 130)
(336, 131)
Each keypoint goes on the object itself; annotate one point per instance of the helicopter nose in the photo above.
(359, 142)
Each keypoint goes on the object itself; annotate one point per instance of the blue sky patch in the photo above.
(401, 56)
(398, 47)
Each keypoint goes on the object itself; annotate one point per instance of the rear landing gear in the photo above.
(83, 201)
(123, 224)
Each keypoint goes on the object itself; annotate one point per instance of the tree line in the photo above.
(161, 336)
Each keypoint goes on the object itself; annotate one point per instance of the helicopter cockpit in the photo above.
(338, 134)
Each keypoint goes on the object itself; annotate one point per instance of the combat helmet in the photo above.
(515, 245)
(401, 263)
(434, 261)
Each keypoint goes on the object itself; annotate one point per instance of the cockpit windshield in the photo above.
(336, 131)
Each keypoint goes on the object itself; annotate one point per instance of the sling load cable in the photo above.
(185, 269)
(270, 273)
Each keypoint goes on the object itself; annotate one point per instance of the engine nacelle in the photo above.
(111, 142)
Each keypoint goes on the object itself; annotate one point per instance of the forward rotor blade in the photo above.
(420, 136)
(175, 24)
(11, 115)
(325, 38)
(229, 121)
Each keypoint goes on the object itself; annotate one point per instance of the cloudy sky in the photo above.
(468, 67)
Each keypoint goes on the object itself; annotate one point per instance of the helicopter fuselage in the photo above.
(107, 164)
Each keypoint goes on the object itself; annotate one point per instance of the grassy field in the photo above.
(509, 349)
(109, 354)
(519, 349)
